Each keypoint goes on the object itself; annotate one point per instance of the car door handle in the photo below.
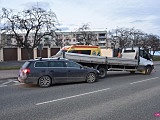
(52, 71)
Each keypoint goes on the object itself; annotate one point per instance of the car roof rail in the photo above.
(38, 58)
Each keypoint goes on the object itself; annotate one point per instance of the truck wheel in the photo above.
(102, 72)
(91, 77)
(132, 72)
(148, 70)
(44, 81)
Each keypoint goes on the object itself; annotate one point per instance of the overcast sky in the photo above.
(99, 14)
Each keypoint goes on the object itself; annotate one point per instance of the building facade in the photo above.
(63, 38)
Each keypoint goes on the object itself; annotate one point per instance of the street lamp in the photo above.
(106, 39)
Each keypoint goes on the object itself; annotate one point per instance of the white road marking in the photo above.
(17, 83)
(74, 96)
(144, 80)
(11, 81)
(3, 85)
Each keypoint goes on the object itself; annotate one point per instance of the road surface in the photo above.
(120, 96)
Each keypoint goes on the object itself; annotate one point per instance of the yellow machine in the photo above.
(83, 49)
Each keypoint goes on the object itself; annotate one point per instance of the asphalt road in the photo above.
(120, 96)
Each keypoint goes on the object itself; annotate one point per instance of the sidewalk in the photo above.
(11, 63)
(8, 74)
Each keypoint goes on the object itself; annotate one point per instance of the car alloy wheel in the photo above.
(44, 81)
(91, 77)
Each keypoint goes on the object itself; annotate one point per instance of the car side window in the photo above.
(72, 64)
(41, 64)
(51, 64)
(56, 64)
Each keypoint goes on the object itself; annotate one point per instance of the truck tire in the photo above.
(102, 72)
(148, 70)
(132, 72)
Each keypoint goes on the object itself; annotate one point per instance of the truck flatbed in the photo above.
(121, 61)
(101, 59)
(86, 58)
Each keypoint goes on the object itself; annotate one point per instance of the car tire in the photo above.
(91, 78)
(148, 70)
(44, 81)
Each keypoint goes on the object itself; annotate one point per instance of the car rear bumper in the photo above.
(28, 80)
(20, 80)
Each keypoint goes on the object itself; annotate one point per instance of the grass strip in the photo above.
(9, 67)
(156, 58)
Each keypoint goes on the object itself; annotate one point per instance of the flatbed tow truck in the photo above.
(132, 60)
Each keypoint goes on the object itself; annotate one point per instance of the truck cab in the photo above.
(145, 63)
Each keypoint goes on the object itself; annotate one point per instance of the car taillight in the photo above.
(26, 71)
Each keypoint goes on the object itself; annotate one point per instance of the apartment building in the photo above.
(97, 38)
(63, 38)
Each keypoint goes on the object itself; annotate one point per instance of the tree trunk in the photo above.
(29, 51)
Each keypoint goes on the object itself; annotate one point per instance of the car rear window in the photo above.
(26, 64)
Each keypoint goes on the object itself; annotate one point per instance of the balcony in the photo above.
(102, 41)
(104, 37)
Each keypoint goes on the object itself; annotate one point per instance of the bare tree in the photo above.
(121, 36)
(35, 21)
(84, 36)
(153, 42)
(130, 37)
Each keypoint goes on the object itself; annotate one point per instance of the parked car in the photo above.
(47, 71)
